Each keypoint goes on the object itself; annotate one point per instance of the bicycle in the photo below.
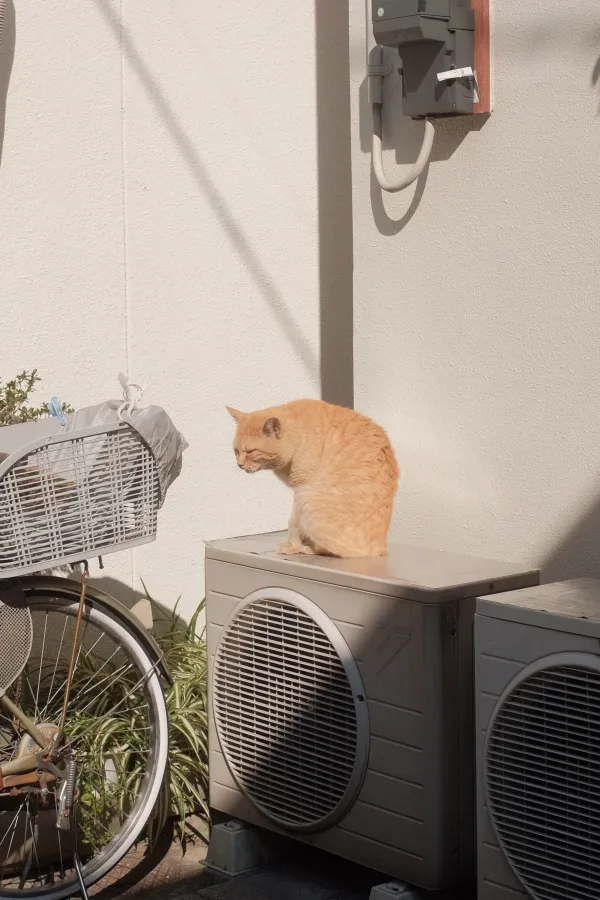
(83, 720)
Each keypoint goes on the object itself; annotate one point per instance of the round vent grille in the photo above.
(290, 711)
(542, 771)
(16, 636)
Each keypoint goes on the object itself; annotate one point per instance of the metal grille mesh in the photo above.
(71, 499)
(16, 634)
(285, 713)
(543, 782)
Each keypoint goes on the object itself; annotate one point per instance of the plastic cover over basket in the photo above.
(85, 488)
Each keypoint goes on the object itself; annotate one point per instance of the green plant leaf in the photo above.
(15, 398)
(119, 738)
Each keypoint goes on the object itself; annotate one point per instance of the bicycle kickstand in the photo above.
(77, 861)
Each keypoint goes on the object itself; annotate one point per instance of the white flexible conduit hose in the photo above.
(417, 169)
(376, 71)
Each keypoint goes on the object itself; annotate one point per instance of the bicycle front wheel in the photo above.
(116, 735)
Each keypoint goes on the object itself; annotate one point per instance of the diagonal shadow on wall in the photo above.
(335, 200)
(334, 365)
(7, 53)
(198, 169)
(577, 554)
(596, 77)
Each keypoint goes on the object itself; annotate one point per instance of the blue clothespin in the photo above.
(55, 409)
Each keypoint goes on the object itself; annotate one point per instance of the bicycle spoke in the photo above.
(12, 824)
(35, 831)
(116, 675)
(82, 734)
(11, 724)
(37, 695)
(144, 678)
(60, 689)
(7, 754)
(86, 656)
(58, 655)
(113, 716)
(15, 823)
(37, 712)
(28, 859)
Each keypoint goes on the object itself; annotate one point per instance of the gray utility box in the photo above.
(341, 697)
(537, 666)
(432, 36)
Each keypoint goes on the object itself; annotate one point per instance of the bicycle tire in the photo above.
(64, 595)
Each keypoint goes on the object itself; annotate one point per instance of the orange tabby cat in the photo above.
(340, 465)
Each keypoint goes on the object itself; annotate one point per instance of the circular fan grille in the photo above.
(292, 729)
(543, 781)
(16, 635)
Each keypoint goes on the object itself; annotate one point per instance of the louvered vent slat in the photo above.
(286, 714)
(542, 772)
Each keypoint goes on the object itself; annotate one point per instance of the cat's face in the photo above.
(259, 442)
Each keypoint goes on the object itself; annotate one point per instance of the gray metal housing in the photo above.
(407, 620)
(516, 634)
(432, 36)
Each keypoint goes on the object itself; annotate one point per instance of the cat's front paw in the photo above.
(307, 550)
(289, 549)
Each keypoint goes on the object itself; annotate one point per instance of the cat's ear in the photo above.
(272, 428)
(237, 415)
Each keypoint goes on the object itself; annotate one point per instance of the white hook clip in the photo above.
(467, 74)
(132, 394)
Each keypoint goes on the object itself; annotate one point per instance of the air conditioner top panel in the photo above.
(572, 606)
(410, 573)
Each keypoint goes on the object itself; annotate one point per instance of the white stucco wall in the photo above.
(477, 300)
(173, 201)
(162, 211)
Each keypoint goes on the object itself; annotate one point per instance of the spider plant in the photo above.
(185, 790)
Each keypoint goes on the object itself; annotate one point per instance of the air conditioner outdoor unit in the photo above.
(341, 700)
(537, 666)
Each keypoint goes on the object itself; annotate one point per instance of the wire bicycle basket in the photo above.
(87, 488)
